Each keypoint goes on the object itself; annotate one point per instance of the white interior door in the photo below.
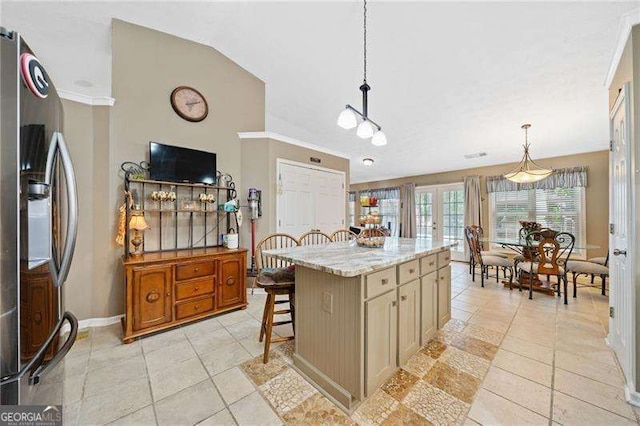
(440, 215)
(621, 291)
(308, 199)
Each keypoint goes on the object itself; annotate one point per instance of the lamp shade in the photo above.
(379, 138)
(138, 223)
(347, 119)
(365, 129)
(528, 176)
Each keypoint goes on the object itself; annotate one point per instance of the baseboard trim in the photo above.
(631, 395)
(93, 322)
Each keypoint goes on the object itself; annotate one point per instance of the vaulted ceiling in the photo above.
(448, 79)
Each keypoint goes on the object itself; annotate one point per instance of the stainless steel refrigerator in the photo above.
(38, 225)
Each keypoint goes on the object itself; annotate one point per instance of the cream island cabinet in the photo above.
(361, 313)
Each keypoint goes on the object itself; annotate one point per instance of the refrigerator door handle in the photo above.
(36, 360)
(58, 145)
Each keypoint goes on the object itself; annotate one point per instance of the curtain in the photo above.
(408, 220)
(572, 177)
(382, 193)
(472, 204)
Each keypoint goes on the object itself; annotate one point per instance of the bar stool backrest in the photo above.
(313, 238)
(343, 235)
(273, 241)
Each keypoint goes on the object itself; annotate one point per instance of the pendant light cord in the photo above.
(365, 41)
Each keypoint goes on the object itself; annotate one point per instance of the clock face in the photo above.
(189, 104)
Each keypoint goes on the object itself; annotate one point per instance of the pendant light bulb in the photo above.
(365, 129)
(379, 138)
(347, 119)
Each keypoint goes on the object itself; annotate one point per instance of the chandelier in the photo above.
(350, 116)
(527, 171)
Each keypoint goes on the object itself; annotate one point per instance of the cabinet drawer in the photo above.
(193, 288)
(194, 270)
(444, 258)
(381, 281)
(195, 307)
(408, 271)
(428, 264)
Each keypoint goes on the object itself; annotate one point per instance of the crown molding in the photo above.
(627, 22)
(291, 141)
(84, 99)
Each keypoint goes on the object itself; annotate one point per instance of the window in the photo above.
(424, 214)
(561, 209)
(352, 209)
(453, 217)
(440, 214)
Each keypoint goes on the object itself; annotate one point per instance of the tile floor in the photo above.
(502, 359)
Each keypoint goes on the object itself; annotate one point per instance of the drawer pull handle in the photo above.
(196, 307)
(196, 289)
(385, 281)
(153, 296)
(230, 281)
(394, 303)
(432, 263)
(403, 298)
(411, 271)
(195, 269)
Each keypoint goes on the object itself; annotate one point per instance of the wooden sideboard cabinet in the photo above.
(171, 288)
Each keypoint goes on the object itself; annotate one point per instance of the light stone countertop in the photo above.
(346, 259)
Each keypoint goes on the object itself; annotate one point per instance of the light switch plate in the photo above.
(327, 302)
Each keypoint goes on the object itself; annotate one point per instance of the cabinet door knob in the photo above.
(195, 289)
(196, 307)
(403, 298)
(168, 294)
(394, 303)
(195, 269)
(432, 263)
(411, 271)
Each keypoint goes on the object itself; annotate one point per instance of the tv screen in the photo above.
(177, 164)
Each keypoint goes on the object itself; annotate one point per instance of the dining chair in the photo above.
(600, 260)
(472, 263)
(276, 277)
(313, 238)
(343, 235)
(485, 261)
(581, 267)
(552, 251)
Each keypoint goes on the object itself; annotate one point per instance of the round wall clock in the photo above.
(189, 104)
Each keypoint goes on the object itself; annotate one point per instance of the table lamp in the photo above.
(139, 225)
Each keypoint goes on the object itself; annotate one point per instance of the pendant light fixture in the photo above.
(349, 117)
(527, 171)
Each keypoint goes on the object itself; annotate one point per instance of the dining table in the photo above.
(527, 250)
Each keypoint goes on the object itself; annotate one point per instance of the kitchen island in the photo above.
(361, 313)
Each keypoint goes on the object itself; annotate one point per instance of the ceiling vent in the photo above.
(475, 155)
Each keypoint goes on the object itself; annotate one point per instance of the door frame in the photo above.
(631, 393)
(438, 210)
(283, 161)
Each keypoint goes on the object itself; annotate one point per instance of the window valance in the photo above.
(382, 193)
(572, 177)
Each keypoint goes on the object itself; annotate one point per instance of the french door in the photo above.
(308, 199)
(440, 215)
(621, 289)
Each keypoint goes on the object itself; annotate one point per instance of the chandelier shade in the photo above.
(347, 119)
(365, 129)
(379, 138)
(527, 171)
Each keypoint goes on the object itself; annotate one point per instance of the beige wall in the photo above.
(259, 162)
(597, 193)
(147, 65)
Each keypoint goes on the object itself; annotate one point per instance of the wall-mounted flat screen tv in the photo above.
(177, 164)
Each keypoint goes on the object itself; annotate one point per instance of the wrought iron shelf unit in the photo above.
(202, 226)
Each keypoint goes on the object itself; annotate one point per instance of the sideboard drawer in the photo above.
(444, 258)
(428, 264)
(197, 287)
(195, 307)
(194, 270)
(381, 281)
(408, 271)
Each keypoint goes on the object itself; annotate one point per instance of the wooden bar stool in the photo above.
(277, 278)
